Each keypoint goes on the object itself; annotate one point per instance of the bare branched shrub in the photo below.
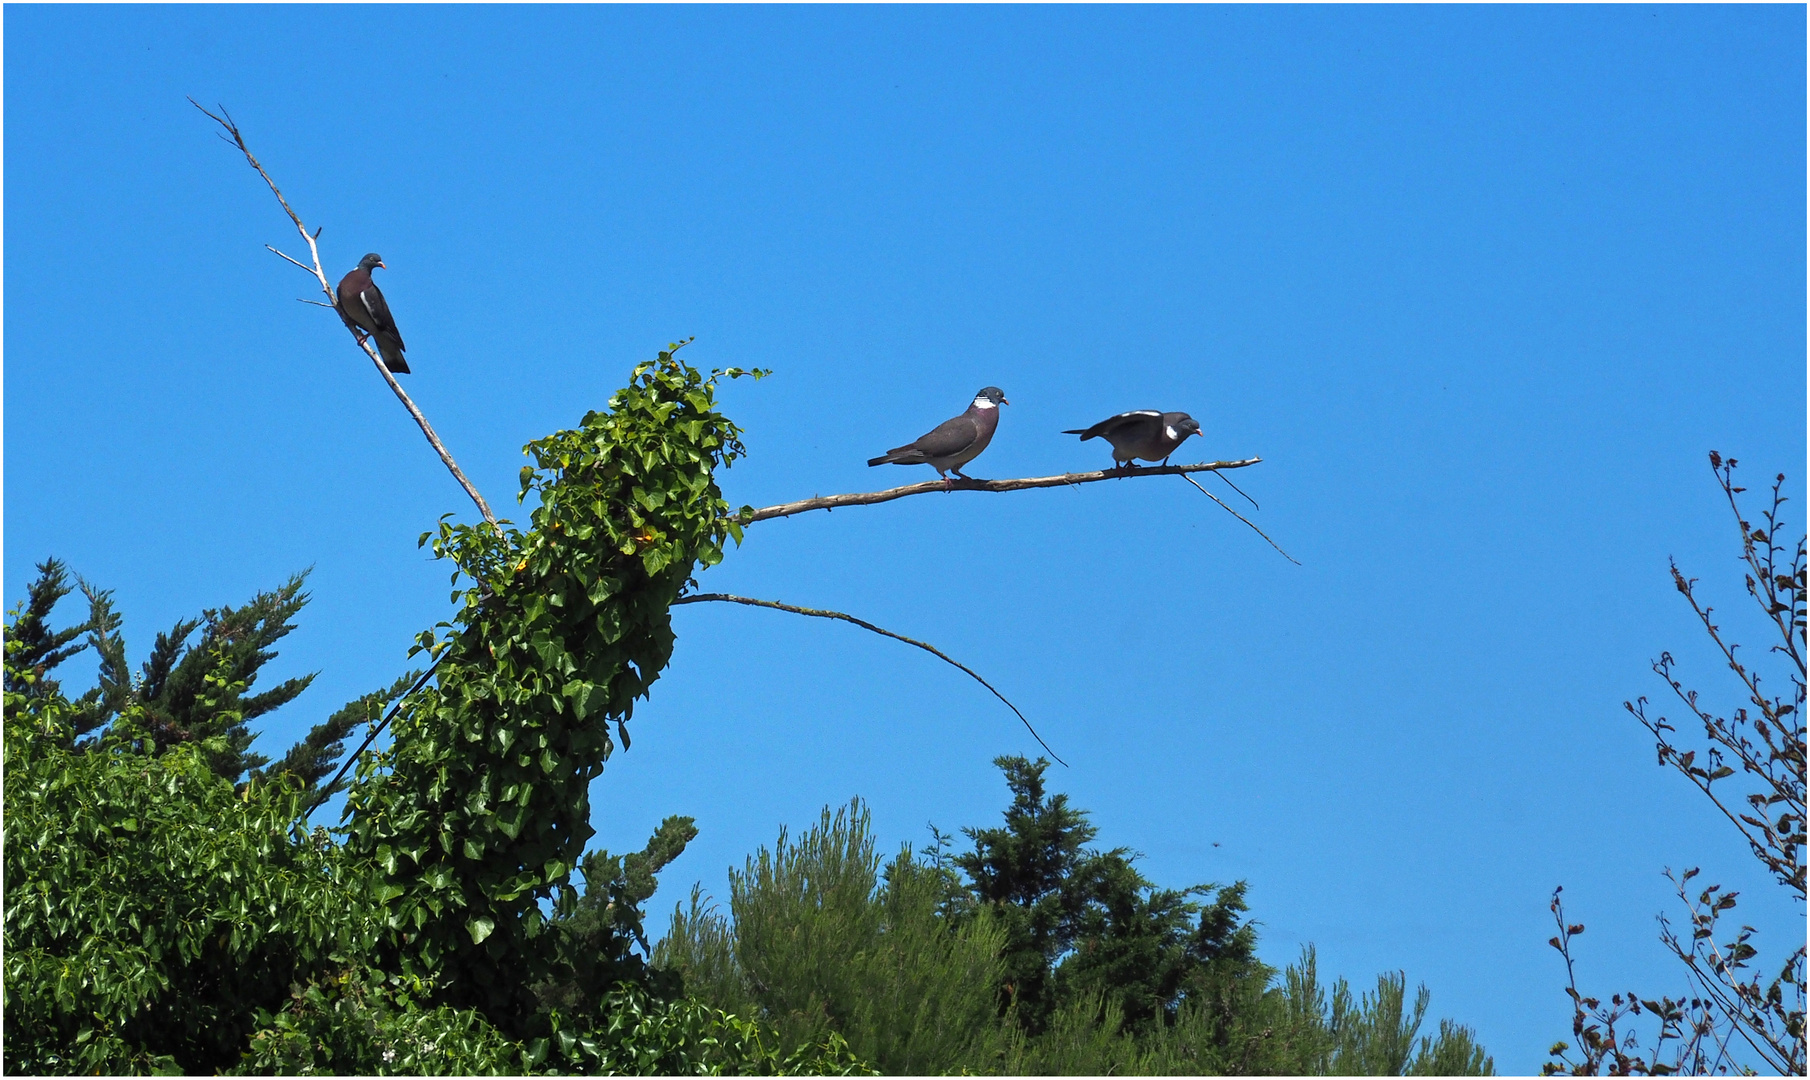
(1738, 1015)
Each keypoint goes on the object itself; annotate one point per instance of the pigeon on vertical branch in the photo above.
(954, 442)
(361, 304)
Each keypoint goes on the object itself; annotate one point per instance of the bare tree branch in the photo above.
(699, 598)
(225, 120)
(1241, 517)
(287, 259)
(332, 786)
(867, 498)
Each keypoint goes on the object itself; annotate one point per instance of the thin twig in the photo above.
(280, 255)
(867, 498)
(1242, 518)
(327, 792)
(316, 303)
(225, 120)
(699, 598)
(1238, 489)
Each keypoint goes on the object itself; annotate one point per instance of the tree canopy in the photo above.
(1031, 953)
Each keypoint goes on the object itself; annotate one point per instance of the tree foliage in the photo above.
(480, 809)
(1048, 957)
(167, 908)
(1736, 1014)
(149, 906)
(824, 941)
(1081, 921)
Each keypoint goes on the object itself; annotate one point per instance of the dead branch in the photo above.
(286, 258)
(699, 598)
(1241, 517)
(866, 498)
(225, 120)
(332, 786)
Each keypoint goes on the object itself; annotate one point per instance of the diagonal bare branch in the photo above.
(332, 785)
(287, 259)
(225, 120)
(1241, 517)
(699, 598)
(868, 498)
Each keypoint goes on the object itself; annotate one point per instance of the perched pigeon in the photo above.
(362, 306)
(1146, 434)
(955, 442)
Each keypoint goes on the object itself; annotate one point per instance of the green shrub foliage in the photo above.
(823, 941)
(167, 908)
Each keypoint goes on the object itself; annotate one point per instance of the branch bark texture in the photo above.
(225, 120)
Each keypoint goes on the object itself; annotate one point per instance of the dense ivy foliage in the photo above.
(480, 810)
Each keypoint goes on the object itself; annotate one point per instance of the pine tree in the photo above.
(309, 761)
(1082, 922)
(826, 941)
(594, 935)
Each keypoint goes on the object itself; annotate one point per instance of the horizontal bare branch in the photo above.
(865, 498)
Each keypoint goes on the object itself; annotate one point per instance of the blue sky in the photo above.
(1481, 285)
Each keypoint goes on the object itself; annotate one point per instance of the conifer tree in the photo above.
(186, 690)
(1082, 922)
(825, 941)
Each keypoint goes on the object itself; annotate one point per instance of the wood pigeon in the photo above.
(361, 305)
(1145, 433)
(955, 442)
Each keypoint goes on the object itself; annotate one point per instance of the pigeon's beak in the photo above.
(1003, 401)
(382, 266)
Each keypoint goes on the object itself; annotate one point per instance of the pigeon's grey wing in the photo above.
(1126, 423)
(1115, 425)
(950, 438)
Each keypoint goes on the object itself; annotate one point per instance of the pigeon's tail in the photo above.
(391, 349)
(1085, 433)
(904, 455)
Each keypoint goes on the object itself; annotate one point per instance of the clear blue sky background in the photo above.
(1482, 286)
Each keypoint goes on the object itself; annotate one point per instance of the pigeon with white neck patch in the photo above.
(1144, 433)
(954, 442)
